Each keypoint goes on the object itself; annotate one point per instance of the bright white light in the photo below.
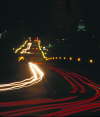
(24, 51)
(36, 77)
(23, 45)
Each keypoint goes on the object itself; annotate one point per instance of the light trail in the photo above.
(36, 77)
(23, 45)
(25, 51)
(77, 99)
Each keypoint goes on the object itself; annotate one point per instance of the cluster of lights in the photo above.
(78, 59)
(29, 44)
(22, 50)
(25, 50)
(37, 76)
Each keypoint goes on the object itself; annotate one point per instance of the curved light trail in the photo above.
(77, 99)
(22, 46)
(37, 77)
(25, 51)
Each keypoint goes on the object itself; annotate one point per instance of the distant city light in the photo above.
(64, 58)
(78, 59)
(91, 61)
(21, 58)
(44, 48)
(70, 58)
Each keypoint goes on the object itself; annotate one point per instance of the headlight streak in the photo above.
(25, 51)
(23, 45)
(42, 52)
(37, 77)
(63, 106)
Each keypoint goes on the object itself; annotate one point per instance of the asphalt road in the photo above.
(62, 92)
(65, 90)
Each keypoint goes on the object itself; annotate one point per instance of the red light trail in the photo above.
(77, 101)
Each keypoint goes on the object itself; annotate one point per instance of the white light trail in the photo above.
(24, 51)
(23, 45)
(37, 77)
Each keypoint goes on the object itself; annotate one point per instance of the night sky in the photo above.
(32, 13)
(38, 14)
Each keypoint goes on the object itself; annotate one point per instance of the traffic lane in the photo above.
(42, 89)
(78, 91)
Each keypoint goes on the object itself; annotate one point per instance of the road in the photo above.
(60, 93)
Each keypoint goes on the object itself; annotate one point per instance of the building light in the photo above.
(64, 58)
(70, 58)
(91, 61)
(21, 58)
(78, 59)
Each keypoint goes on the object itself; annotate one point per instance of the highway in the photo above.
(51, 91)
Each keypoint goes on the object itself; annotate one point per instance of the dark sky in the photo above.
(38, 13)
(28, 9)
(34, 13)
